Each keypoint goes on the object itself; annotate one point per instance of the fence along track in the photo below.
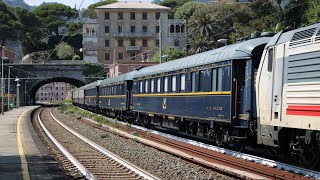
(92, 160)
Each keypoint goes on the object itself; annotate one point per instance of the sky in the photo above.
(72, 3)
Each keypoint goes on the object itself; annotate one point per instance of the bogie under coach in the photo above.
(265, 91)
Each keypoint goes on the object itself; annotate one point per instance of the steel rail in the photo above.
(73, 160)
(127, 164)
(259, 160)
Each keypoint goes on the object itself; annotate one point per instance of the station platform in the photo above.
(22, 153)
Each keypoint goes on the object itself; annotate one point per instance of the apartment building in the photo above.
(125, 34)
(53, 92)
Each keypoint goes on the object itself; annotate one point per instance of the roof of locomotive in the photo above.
(235, 51)
(287, 36)
(120, 78)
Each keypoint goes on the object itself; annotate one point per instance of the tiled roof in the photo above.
(133, 5)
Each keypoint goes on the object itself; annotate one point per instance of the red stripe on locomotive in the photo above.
(303, 110)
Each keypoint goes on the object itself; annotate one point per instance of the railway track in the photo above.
(209, 158)
(90, 159)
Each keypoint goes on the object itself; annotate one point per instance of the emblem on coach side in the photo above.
(164, 104)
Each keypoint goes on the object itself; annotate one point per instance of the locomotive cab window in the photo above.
(270, 59)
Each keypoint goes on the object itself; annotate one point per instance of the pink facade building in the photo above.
(9, 54)
(53, 92)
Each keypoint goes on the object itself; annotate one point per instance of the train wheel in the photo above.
(303, 152)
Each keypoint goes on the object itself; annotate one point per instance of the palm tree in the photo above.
(199, 43)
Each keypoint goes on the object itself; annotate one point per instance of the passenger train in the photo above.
(263, 91)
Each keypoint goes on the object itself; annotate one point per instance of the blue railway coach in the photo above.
(195, 94)
(92, 95)
(115, 95)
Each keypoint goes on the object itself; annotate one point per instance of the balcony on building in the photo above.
(177, 27)
(133, 35)
(133, 48)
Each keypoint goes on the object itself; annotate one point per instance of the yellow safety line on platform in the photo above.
(24, 163)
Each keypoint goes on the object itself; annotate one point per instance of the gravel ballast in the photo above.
(161, 164)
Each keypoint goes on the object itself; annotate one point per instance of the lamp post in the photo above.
(17, 98)
(2, 85)
(25, 92)
(9, 88)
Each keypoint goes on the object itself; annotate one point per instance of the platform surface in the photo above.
(22, 153)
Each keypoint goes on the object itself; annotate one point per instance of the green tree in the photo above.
(54, 16)
(64, 51)
(313, 12)
(31, 34)
(90, 11)
(9, 24)
(294, 14)
(199, 43)
(173, 4)
(168, 54)
(205, 27)
(187, 9)
(228, 21)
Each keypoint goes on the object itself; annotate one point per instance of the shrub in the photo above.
(135, 133)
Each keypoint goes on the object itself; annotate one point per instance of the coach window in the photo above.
(158, 85)
(174, 83)
(214, 79)
(270, 59)
(220, 70)
(141, 87)
(193, 82)
(152, 86)
(146, 84)
(166, 79)
(123, 87)
(183, 82)
(201, 83)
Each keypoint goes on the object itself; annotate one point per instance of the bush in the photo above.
(76, 57)
(135, 133)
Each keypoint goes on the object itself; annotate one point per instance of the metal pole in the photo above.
(2, 85)
(160, 40)
(18, 96)
(9, 88)
(114, 62)
(25, 93)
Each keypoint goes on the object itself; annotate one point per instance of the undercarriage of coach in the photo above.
(221, 134)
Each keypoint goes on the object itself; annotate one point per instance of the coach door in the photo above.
(277, 87)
